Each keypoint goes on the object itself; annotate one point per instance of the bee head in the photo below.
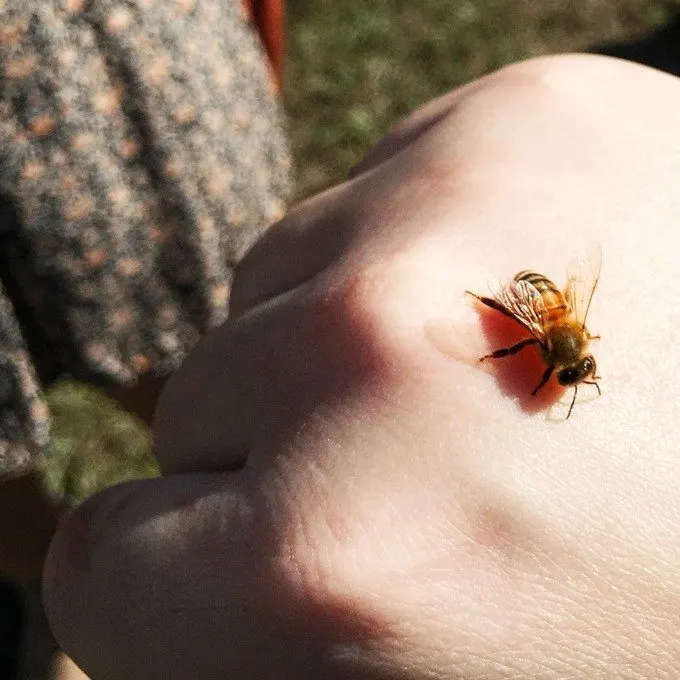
(576, 373)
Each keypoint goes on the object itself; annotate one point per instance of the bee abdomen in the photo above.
(552, 297)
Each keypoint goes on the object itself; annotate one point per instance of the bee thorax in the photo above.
(566, 345)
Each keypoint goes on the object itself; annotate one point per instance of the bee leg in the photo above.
(573, 401)
(593, 337)
(507, 351)
(494, 304)
(589, 382)
(544, 380)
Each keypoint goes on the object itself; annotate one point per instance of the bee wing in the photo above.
(524, 303)
(583, 275)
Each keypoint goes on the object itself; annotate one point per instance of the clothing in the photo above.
(142, 152)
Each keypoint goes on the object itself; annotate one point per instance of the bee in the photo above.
(555, 320)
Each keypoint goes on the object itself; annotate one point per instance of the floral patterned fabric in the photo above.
(141, 155)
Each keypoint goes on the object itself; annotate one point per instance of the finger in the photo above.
(101, 582)
(292, 251)
(206, 415)
(411, 128)
(247, 385)
(171, 579)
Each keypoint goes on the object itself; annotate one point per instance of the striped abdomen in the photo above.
(553, 299)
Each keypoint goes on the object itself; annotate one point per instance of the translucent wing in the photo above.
(524, 303)
(583, 275)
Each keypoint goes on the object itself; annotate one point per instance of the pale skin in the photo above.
(348, 493)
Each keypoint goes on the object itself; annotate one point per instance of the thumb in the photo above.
(163, 579)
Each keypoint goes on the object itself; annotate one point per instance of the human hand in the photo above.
(347, 493)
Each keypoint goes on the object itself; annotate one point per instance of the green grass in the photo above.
(94, 443)
(354, 69)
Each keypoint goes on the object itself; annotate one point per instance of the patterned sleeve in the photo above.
(24, 421)
(142, 152)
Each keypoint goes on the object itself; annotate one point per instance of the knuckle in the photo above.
(368, 321)
(558, 83)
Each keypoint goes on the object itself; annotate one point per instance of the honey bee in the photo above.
(556, 321)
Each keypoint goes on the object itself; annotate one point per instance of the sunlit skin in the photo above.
(348, 494)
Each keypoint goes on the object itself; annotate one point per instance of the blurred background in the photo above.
(353, 68)
(356, 67)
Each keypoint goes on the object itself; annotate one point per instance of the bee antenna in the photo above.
(573, 401)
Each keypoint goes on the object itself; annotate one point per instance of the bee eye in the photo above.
(587, 365)
(567, 376)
